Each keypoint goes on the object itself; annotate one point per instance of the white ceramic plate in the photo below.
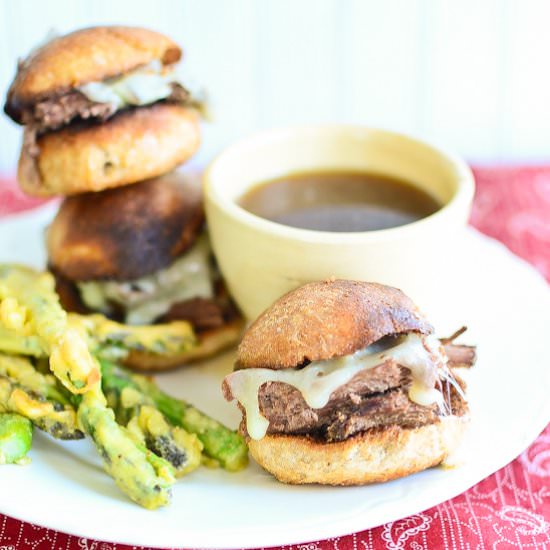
(507, 307)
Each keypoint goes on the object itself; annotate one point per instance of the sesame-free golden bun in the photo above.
(371, 457)
(131, 146)
(327, 319)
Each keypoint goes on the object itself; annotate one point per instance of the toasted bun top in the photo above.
(327, 319)
(86, 55)
(125, 233)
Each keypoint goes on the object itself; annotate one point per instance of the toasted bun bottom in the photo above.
(209, 343)
(132, 146)
(371, 457)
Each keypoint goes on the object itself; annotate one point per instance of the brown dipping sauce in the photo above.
(339, 201)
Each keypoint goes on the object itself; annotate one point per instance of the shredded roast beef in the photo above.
(373, 398)
(52, 113)
(460, 356)
(202, 313)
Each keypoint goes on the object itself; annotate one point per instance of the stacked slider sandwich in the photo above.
(106, 120)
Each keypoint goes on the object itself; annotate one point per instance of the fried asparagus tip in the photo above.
(140, 474)
(135, 410)
(220, 443)
(181, 449)
(54, 418)
(29, 306)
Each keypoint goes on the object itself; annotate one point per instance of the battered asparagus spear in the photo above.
(143, 476)
(53, 418)
(115, 341)
(36, 397)
(220, 443)
(30, 307)
(136, 410)
(181, 449)
(15, 438)
(111, 340)
(23, 372)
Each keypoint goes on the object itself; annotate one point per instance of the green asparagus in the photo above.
(24, 373)
(29, 307)
(136, 410)
(52, 417)
(112, 341)
(143, 476)
(115, 341)
(181, 449)
(15, 438)
(220, 443)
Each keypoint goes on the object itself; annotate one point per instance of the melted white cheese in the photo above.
(142, 86)
(318, 380)
(149, 297)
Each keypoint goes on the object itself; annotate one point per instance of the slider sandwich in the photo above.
(343, 382)
(139, 255)
(102, 108)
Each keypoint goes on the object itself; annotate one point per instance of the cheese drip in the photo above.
(318, 380)
(149, 297)
(142, 86)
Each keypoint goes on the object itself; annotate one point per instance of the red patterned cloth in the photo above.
(509, 509)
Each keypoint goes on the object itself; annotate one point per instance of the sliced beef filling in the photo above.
(374, 398)
(460, 356)
(52, 113)
(204, 314)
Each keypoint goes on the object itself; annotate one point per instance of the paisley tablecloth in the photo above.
(509, 509)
